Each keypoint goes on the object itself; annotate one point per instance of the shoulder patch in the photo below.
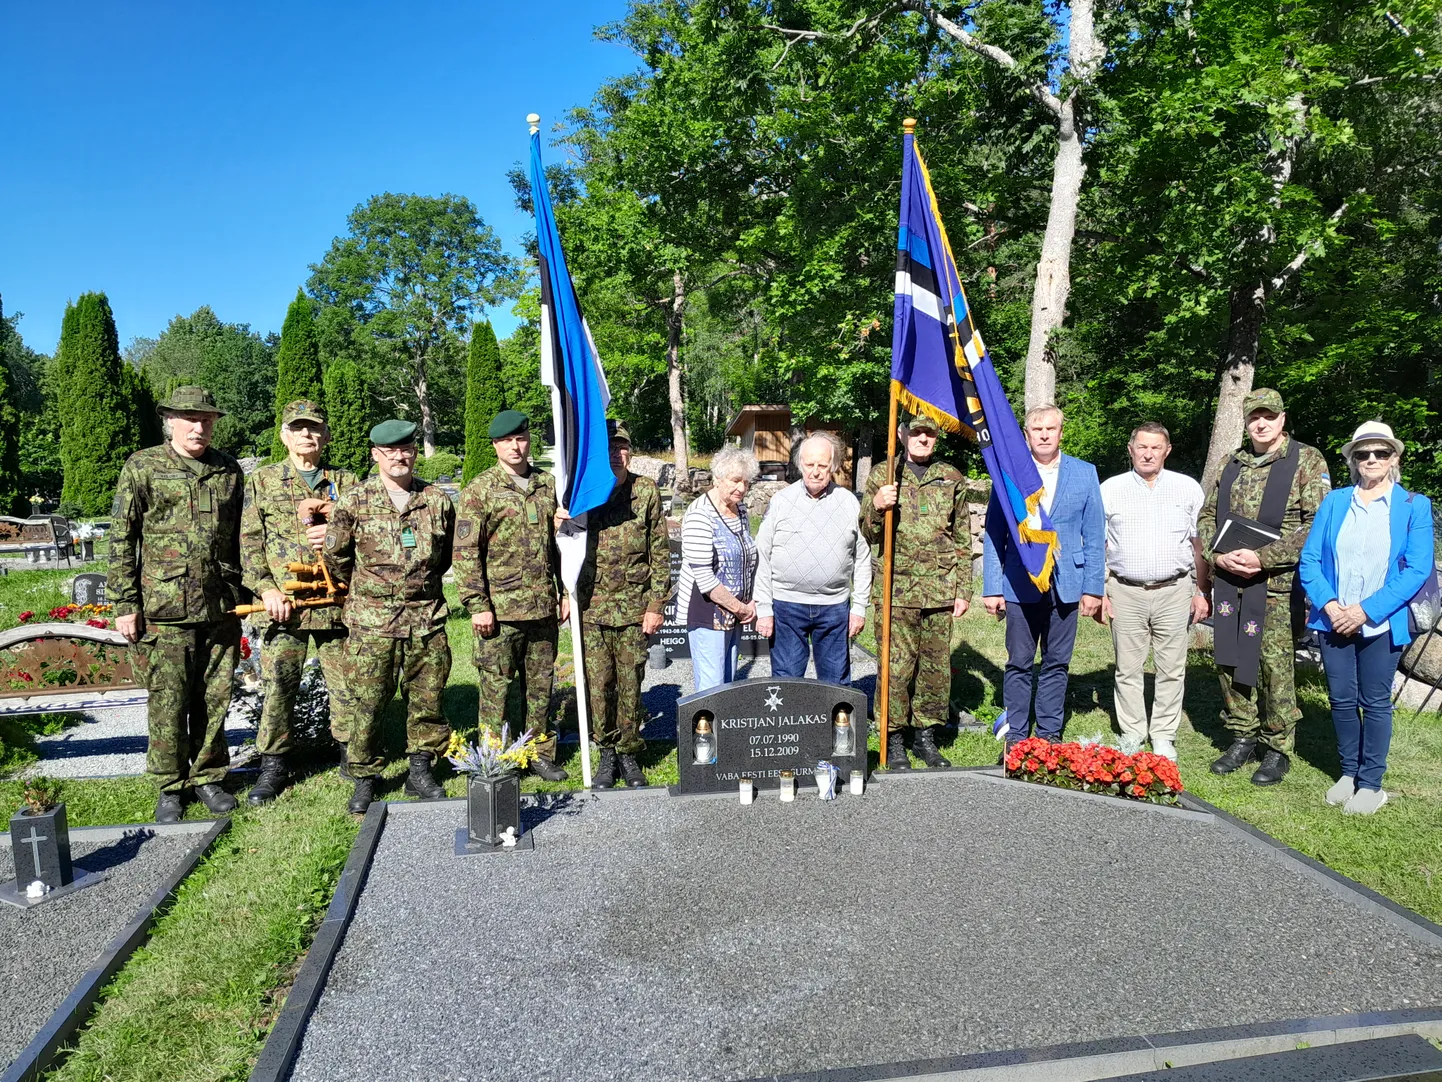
(464, 527)
(331, 542)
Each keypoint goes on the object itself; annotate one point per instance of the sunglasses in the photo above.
(1384, 454)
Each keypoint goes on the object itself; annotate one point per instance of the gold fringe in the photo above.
(919, 407)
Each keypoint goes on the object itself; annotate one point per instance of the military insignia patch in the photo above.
(331, 542)
(464, 527)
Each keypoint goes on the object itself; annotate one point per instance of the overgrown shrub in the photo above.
(440, 464)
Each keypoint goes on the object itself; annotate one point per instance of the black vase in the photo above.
(40, 846)
(492, 805)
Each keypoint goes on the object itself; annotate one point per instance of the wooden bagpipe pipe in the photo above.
(313, 586)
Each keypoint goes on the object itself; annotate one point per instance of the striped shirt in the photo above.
(1150, 527)
(715, 551)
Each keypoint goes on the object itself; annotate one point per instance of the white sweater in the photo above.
(812, 551)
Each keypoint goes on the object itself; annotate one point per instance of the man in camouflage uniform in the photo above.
(930, 587)
(508, 573)
(1269, 724)
(622, 591)
(272, 535)
(174, 571)
(390, 539)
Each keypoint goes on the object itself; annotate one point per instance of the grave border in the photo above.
(45, 1049)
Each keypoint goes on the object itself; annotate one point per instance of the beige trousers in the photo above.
(1150, 621)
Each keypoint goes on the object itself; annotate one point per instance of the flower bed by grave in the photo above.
(1095, 768)
(49, 656)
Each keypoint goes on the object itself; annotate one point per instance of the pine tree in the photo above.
(298, 373)
(11, 497)
(141, 394)
(485, 397)
(98, 426)
(347, 408)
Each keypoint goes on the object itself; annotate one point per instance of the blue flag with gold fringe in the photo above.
(940, 367)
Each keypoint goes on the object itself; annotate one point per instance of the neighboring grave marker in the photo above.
(88, 589)
(673, 628)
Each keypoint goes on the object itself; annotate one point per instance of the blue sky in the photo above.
(180, 154)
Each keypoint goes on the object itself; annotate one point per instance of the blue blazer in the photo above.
(1081, 532)
(1411, 544)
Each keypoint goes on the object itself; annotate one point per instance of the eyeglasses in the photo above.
(1384, 454)
(397, 452)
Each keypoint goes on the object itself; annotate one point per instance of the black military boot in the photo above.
(632, 772)
(605, 775)
(547, 768)
(924, 744)
(1242, 750)
(896, 752)
(419, 782)
(168, 808)
(215, 798)
(270, 783)
(1275, 765)
(362, 796)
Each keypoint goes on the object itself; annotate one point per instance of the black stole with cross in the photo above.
(1239, 605)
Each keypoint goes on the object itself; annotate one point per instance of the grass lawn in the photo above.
(198, 1000)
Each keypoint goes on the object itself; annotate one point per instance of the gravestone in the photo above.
(762, 727)
(88, 589)
(672, 635)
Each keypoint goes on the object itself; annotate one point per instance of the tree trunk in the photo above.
(1247, 304)
(428, 416)
(675, 321)
(863, 458)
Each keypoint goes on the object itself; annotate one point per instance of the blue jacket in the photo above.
(1081, 531)
(1411, 544)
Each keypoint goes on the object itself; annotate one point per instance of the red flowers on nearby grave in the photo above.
(26, 616)
(1095, 768)
(244, 648)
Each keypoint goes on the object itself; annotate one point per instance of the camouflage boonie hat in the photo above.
(923, 423)
(1263, 398)
(393, 433)
(191, 399)
(302, 410)
(617, 430)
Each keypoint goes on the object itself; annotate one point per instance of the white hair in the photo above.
(734, 462)
(1394, 470)
(832, 443)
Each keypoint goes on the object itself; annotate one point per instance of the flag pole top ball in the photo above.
(909, 125)
(534, 120)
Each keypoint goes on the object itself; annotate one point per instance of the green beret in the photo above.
(1263, 398)
(508, 423)
(616, 430)
(393, 433)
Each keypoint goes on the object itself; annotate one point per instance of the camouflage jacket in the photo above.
(272, 536)
(175, 537)
(1309, 488)
(627, 572)
(393, 560)
(506, 559)
(931, 561)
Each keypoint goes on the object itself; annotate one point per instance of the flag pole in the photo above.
(883, 703)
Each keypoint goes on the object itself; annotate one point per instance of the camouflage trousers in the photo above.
(187, 669)
(282, 660)
(515, 671)
(920, 688)
(369, 670)
(1267, 712)
(615, 666)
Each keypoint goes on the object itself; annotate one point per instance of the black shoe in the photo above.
(361, 798)
(632, 772)
(547, 768)
(270, 783)
(168, 808)
(924, 744)
(215, 798)
(896, 752)
(1275, 765)
(419, 782)
(605, 775)
(1241, 751)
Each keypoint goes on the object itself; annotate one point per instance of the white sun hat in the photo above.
(1372, 432)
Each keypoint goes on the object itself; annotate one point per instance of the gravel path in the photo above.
(651, 937)
(49, 948)
(112, 741)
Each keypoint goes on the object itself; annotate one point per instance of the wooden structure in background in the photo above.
(767, 433)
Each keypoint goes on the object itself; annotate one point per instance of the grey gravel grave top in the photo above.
(49, 947)
(658, 938)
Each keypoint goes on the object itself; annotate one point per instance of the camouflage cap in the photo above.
(302, 410)
(1263, 398)
(508, 423)
(922, 423)
(617, 430)
(191, 399)
(393, 433)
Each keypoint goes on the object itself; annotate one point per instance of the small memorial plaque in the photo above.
(758, 728)
(88, 589)
(673, 630)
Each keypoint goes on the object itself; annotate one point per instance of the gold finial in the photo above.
(909, 125)
(534, 120)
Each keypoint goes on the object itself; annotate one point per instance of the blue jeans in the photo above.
(1359, 677)
(1051, 623)
(713, 655)
(826, 626)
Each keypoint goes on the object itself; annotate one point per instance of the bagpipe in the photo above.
(313, 586)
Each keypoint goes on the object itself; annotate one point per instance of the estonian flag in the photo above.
(940, 367)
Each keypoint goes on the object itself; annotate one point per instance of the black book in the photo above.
(1243, 533)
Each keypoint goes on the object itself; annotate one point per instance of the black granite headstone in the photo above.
(40, 845)
(673, 630)
(88, 589)
(762, 727)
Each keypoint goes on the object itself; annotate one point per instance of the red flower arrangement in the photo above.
(26, 616)
(1095, 768)
(63, 612)
(102, 624)
(244, 648)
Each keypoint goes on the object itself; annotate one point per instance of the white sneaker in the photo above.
(1130, 745)
(1365, 802)
(1165, 748)
(1342, 792)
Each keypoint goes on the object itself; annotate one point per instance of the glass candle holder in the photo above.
(825, 778)
(858, 783)
(704, 744)
(843, 735)
(747, 791)
(788, 786)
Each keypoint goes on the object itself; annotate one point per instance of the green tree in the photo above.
(11, 498)
(485, 397)
(348, 410)
(99, 430)
(297, 363)
(411, 271)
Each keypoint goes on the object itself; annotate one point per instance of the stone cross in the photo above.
(34, 843)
